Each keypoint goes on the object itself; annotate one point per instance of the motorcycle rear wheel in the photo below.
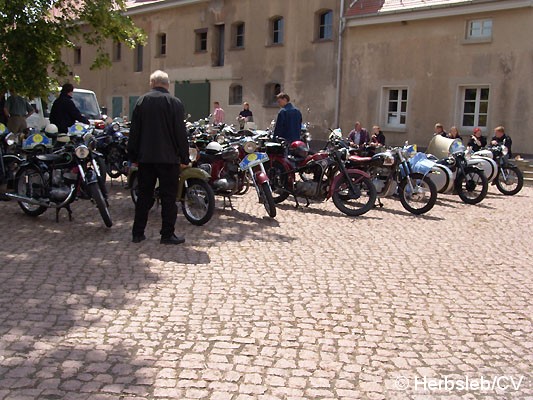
(278, 179)
(268, 201)
(30, 183)
(473, 186)
(98, 197)
(513, 184)
(198, 202)
(348, 202)
(422, 185)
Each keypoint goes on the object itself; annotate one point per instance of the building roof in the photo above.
(376, 7)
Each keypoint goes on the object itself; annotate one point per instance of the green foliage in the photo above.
(33, 33)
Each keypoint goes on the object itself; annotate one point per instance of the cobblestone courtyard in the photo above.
(311, 305)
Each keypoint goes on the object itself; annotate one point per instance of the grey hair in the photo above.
(159, 78)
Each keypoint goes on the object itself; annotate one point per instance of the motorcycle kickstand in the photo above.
(69, 210)
(230, 206)
(379, 203)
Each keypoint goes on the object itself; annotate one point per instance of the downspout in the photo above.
(339, 66)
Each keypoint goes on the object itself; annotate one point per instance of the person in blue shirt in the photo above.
(289, 121)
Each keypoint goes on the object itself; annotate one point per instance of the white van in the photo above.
(84, 99)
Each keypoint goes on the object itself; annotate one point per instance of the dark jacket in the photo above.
(364, 137)
(289, 123)
(475, 147)
(379, 138)
(157, 131)
(64, 113)
(506, 141)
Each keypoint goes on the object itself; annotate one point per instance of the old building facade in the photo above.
(404, 65)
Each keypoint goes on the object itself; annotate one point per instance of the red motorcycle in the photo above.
(318, 177)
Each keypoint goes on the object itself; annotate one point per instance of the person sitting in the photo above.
(358, 136)
(454, 133)
(378, 138)
(439, 130)
(477, 141)
(500, 137)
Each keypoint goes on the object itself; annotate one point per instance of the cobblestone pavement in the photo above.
(311, 305)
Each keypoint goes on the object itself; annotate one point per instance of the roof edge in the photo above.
(160, 5)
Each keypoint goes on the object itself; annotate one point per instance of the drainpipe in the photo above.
(339, 65)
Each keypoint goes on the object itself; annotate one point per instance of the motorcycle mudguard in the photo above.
(261, 177)
(190, 173)
(340, 176)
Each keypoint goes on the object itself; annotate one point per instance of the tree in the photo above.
(34, 32)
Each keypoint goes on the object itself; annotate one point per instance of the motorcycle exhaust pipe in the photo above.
(35, 202)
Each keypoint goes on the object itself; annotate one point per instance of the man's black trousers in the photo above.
(147, 175)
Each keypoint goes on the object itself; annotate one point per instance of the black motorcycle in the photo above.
(510, 179)
(57, 179)
(113, 143)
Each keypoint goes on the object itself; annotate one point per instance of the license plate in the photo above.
(253, 159)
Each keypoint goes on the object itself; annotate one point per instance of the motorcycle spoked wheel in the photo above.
(114, 160)
(96, 194)
(265, 192)
(472, 187)
(423, 185)
(354, 204)
(198, 202)
(30, 183)
(514, 182)
(278, 182)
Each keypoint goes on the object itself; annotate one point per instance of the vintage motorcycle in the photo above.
(509, 179)
(194, 193)
(112, 143)
(392, 174)
(57, 179)
(319, 176)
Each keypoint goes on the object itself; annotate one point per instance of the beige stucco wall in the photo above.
(433, 60)
(303, 66)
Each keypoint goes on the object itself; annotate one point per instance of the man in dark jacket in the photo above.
(64, 112)
(289, 121)
(158, 143)
(500, 137)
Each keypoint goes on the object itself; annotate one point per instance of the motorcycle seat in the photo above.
(49, 157)
(359, 159)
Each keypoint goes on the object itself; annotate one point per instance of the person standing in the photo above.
(17, 109)
(64, 112)
(477, 141)
(359, 135)
(158, 143)
(218, 114)
(289, 121)
(245, 115)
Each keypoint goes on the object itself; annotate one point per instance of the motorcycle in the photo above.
(509, 179)
(320, 176)
(392, 174)
(112, 143)
(57, 179)
(194, 193)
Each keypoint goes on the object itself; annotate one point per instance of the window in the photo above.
(479, 29)
(325, 25)
(138, 58)
(77, 56)
(235, 94)
(201, 40)
(475, 108)
(161, 44)
(218, 47)
(238, 35)
(396, 106)
(117, 51)
(271, 91)
(276, 25)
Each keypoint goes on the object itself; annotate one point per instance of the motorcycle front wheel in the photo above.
(278, 179)
(114, 160)
(198, 203)
(472, 187)
(30, 183)
(268, 201)
(510, 180)
(354, 203)
(96, 194)
(423, 196)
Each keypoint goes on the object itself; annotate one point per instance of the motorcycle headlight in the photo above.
(11, 139)
(505, 150)
(221, 139)
(193, 154)
(388, 161)
(116, 127)
(250, 146)
(82, 152)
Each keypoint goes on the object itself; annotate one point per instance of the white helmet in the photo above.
(214, 147)
(51, 129)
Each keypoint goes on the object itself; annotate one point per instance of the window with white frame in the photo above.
(396, 107)
(475, 106)
(479, 29)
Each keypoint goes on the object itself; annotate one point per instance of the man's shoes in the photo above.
(172, 240)
(138, 238)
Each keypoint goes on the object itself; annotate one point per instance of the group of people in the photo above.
(477, 141)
